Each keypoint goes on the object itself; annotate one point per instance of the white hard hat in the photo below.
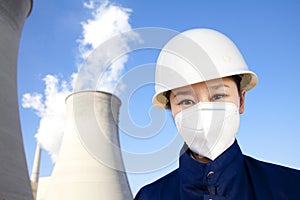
(195, 56)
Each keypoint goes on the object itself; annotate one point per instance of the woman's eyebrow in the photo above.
(215, 87)
(183, 92)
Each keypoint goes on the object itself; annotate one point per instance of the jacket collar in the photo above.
(194, 174)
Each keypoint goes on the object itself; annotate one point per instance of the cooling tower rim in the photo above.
(93, 91)
(30, 9)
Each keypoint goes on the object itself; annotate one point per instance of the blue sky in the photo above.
(266, 32)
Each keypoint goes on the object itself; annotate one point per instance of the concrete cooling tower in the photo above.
(14, 180)
(89, 165)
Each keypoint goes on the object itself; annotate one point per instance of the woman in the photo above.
(202, 77)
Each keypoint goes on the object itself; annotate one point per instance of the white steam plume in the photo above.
(51, 110)
(107, 20)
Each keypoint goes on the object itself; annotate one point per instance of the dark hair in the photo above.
(236, 78)
(167, 95)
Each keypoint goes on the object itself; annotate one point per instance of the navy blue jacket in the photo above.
(231, 176)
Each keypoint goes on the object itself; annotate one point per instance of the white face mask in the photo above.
(209, 128)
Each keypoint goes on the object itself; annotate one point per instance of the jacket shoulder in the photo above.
(267, 167)
(272, 180)
(159, 188)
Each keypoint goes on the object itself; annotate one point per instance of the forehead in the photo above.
(220, 83)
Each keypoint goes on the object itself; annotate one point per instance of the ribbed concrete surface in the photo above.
(14, 180)
(89, 164)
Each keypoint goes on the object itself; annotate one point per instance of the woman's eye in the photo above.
(218, 96)
(186, 102)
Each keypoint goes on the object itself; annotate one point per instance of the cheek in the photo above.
(234, 98)
(173, 106)
(175, 109)
(237, 101)
(239, 104)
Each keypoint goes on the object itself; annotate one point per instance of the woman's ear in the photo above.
(242, 102)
